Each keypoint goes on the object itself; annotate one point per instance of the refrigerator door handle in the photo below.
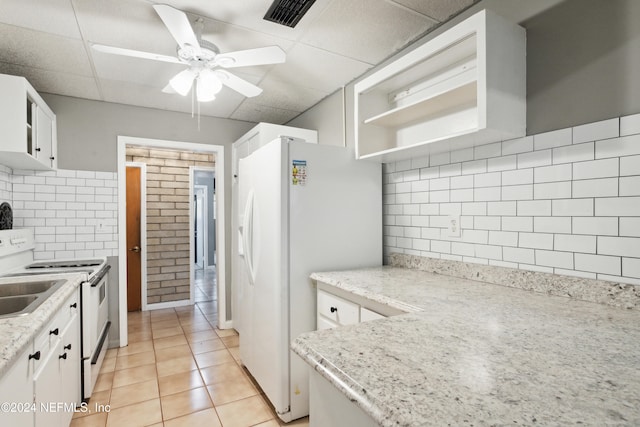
(247, 235)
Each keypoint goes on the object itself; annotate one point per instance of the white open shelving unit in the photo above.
(464, 87)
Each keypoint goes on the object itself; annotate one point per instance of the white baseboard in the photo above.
(168, 304)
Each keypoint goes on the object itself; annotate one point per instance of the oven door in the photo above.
(95, 331)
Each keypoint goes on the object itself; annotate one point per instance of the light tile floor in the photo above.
(205, 284)
(178, 370)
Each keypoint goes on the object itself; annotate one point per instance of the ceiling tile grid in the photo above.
(49, 42)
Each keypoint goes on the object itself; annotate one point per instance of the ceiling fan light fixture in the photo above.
(208, 85)
(182, 81)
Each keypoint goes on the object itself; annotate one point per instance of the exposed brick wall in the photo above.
(167, 245)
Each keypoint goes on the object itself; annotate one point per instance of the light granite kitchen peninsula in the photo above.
(475, 353)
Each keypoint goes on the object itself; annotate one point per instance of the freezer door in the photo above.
(265, 347)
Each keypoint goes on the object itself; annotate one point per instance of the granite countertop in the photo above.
(17, 332)
(472, 353)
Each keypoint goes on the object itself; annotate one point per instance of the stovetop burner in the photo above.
(64, 264)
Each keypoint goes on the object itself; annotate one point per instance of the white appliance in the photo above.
(16, 260)
(307, 208)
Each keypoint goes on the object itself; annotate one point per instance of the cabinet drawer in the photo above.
(48, 338)
(338, 310)
(324, 323)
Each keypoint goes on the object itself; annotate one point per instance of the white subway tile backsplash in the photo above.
(595, 131)
(554, 259)
(463, 155)
(630, 125)
(519, 255)
(598, 263)
(465, 181)
(623, 146)
(622, 246)
(487, 150)
(502, 163)
(604, 187)
(517, 223)
(534, 159)
(552, 173)
(535, 240)
(519, 145)
(556, 138)
(617, 206)
(486, 222)
(573, 153)
(401, 165)
(629, 226)
(503, 238)
(631, 267)
(629, 165)
(566, 201)
(552, 190)
(630, 186)
(517, 192)
(474, 167)
(501, 208)
(534, 208)
(475, 208)
(575, 243)
(596, 169)
(595, 226)
(572, 207)
(552, 224)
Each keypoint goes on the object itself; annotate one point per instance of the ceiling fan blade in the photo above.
(241, 86)
(259, 56)
(178, 25)
(135, 53)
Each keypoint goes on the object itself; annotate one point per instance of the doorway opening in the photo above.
(168, 279)
(204, 233)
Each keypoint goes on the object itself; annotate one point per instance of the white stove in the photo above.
(16, 260)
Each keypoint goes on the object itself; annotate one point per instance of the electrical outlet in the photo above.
(454, 226)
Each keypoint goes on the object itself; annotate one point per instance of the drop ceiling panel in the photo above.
(49, 16)
(135, 70)
(23, 46)
(439, 10)
(365, 30)
(285, 95)
(316, 68)
(130, 24)
(55, 82)
(251, 111)
(249, 14)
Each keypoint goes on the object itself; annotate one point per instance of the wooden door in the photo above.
(134, 251)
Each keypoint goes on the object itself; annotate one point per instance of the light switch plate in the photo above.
(453, 226)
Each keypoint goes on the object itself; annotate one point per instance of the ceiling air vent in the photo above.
(288, 12)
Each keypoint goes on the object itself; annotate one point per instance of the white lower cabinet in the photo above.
(45, 379)
(329, 407)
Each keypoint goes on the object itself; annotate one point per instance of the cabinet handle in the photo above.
(67, 347)
(37, 149)
(63, 356)
(52, 158)
(334, 309)
(74, 305)
(35, 355)
(54, 332)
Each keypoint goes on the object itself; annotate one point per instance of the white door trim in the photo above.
(143, 230)
(205, 217)
(218, 150)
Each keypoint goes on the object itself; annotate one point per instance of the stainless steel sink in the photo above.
(26, 288)
(19, 299)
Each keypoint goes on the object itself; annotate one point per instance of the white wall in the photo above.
(565, 202)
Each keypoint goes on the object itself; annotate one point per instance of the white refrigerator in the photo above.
(307, 208)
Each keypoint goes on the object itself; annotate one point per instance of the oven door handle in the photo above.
(103, 338)
(96, 280)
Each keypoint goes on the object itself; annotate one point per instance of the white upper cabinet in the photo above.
(465, 87)
(27, 127)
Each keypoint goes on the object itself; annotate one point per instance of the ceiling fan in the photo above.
(206, 65)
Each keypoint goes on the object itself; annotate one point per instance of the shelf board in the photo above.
(459, 91)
